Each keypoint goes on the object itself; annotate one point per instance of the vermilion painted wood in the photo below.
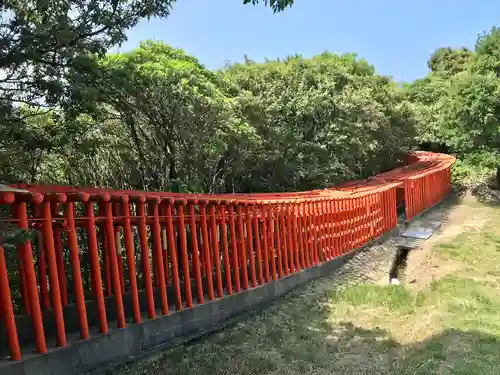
(265, 249)
(249, 231)
(285, 250)
(271, 235)
(206, 251)
(53, 275)
(195, 256)
(215, 251)
(184, 255)
(115, 273)
(145, 265)
(173, 256)
(42, 264)
(158, 255)
(129, 251)
(95, 270)
(279, 247)
(75, 270)
(7, 312)
(242, 246)
(234, 249)
(59, 256)
(258, 251)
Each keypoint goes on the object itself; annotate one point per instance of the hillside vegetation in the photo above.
(155, 118)
(457, 105)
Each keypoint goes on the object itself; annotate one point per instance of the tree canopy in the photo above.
(276, 5)
(458, 104)
(156, 118)
(461, 91)
(321, 120)
(42, 41)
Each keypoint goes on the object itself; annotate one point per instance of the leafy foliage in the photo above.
(42, 40)
(276, 5)
(70, 114)
(155, 118)
(458, 103)
(321, 120)
(173, 117)
(447, 61)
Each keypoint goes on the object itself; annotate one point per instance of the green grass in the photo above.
(450, 325)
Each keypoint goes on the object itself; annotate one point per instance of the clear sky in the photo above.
(397, 37)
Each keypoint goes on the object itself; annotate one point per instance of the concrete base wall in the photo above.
(102, 352)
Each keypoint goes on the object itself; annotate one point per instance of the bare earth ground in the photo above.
(443, 319)
(425, 265)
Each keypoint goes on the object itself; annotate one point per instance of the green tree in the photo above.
(42, 40)
(45, 45)
(276, 5)
(321, 121)
(171, 117)
(448, 61)
(488, 52)
(458, 103)
(24, 145)
(471, 113)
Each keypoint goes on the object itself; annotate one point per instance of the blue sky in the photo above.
(397, 37)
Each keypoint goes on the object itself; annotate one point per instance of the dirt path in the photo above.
(423, 266)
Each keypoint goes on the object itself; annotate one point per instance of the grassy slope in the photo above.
(447, 325)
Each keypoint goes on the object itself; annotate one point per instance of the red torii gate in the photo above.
(233, 241)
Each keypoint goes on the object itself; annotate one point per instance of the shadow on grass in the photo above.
(487, 193)
(318, 347)
(449, 352)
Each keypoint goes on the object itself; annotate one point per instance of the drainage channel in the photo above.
(410, 239)
(396, 273)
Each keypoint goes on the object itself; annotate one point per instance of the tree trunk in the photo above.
(498, 177)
